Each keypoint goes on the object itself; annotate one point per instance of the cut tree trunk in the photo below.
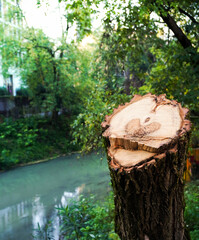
(146, 143)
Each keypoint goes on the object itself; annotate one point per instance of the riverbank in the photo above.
(40, 161)
(32, 140)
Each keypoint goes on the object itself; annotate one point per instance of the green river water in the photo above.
(29, 195)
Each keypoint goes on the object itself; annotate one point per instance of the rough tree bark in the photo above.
(146, 142)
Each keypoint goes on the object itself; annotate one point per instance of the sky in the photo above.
(47, 17)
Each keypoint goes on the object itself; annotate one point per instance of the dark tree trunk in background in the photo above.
(55, 116)
(182, 38)
(131, 80)
(147, 168)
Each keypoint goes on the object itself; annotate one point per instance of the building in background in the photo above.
(12, 25)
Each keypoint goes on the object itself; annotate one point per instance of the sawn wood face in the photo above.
(147, 123)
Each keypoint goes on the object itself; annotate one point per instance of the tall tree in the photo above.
(57, 75)
(132, 31)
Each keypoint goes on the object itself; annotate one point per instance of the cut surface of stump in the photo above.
(147, 123)
(127, 158)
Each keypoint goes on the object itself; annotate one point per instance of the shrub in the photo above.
(30, 139)
(23, 92)
(86, 128)
(87, 219)
(3, 91)
(192, 209)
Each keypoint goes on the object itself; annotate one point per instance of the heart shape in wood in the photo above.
(135, 129)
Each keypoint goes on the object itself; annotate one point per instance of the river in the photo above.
(29, 195)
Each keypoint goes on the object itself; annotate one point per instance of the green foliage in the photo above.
(173, 74)
(30, 139)
(195, 132)
(3, 91)
(79, 13)
(123, 47)
(87, 219)
(23, 92)
(192, 209)
(43, 233)
(86, 129)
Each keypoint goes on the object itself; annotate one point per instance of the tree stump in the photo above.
(146, 143)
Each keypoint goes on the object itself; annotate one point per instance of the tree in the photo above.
(135, 41)
(50, 72)
(57, 75)
(181, 17)
(176, 70)
(123, 49)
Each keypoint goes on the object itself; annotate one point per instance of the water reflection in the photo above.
(35, 209)
(38, 213)
(74, 195)
(11, 217)
(34, 202)
(40, 218)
